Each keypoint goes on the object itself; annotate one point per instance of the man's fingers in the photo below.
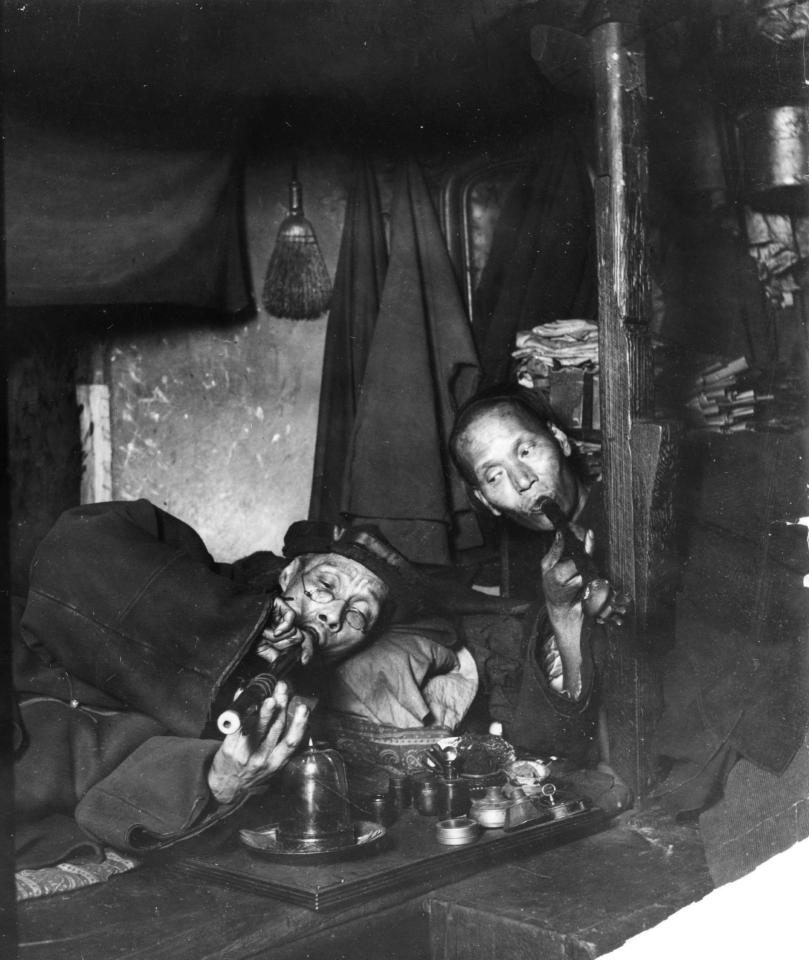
(283, 620)
(297, 727)
(569, 576)
(266, 648)
(281, 643)
(307, 649)
(272, 705)
(283, 738)
(605, 614)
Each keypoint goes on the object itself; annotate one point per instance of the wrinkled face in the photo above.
(515, 461)
(334, 597)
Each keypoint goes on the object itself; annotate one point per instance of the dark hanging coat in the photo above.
(352, 317)
(422, 365)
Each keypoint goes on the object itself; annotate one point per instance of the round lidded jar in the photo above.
(490, 809)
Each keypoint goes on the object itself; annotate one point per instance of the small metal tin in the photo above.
(457, 832)
(453, 798)
(379, 809)
(399, 790)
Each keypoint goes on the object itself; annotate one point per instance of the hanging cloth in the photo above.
(358, 284)
(421, 366)
(93, 220)
(541, 266)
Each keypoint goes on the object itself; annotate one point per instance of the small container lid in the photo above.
(492, 800)
(458, 831)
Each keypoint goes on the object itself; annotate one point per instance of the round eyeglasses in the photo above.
(356, 619)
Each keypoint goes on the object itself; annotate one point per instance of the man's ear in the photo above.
(290, 571)
(561, 438)
(479, 496)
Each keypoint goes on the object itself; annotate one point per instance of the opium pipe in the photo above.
(247, 703)
(597, 591)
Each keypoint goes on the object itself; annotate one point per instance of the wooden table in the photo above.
(597, 891)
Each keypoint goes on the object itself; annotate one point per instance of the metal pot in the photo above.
(775, 151)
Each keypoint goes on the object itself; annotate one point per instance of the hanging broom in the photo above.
(297, 285)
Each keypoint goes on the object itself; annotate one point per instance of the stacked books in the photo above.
(722, 397)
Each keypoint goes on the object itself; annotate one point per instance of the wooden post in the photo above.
(626, 387)
(93, 400)
(631, 445)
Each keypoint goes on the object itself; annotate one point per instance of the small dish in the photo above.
(264, 842)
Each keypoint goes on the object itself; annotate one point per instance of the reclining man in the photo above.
(545, 689)
(129, 633)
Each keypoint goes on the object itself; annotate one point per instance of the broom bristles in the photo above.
(297, 285)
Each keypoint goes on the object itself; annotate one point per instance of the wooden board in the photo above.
(413, 857)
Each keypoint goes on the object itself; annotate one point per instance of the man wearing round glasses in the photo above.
(329, 604)
(129, 640)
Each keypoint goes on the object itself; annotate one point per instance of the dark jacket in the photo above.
(537, 720)
(128, 632)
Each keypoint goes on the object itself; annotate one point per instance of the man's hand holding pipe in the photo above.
(284, 633)
(246, 760)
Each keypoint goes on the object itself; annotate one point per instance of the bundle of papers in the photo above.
(722, 401)
(561, 342)
(552, 346)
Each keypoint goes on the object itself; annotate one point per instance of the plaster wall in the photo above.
(217, 424)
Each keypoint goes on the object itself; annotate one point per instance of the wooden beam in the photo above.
(623, 306)
(631, 446)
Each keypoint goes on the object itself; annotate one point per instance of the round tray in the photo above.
(263, 842)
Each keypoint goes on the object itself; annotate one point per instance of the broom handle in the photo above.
(295, 192)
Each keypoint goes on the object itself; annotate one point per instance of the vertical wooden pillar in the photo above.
(631, 444)
(626, 387)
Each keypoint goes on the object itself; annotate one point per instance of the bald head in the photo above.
(511, 458)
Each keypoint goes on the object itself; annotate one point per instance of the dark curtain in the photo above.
(541, 266)
(94, 220)
(358, 282)
(421, 365)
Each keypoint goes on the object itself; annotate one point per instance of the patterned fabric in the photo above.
(70, 876)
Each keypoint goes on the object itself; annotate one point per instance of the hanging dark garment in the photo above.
(541, 266)
(421, 366)
(355, 301)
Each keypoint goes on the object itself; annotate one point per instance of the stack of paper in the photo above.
(553, 346)
(720, 399)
